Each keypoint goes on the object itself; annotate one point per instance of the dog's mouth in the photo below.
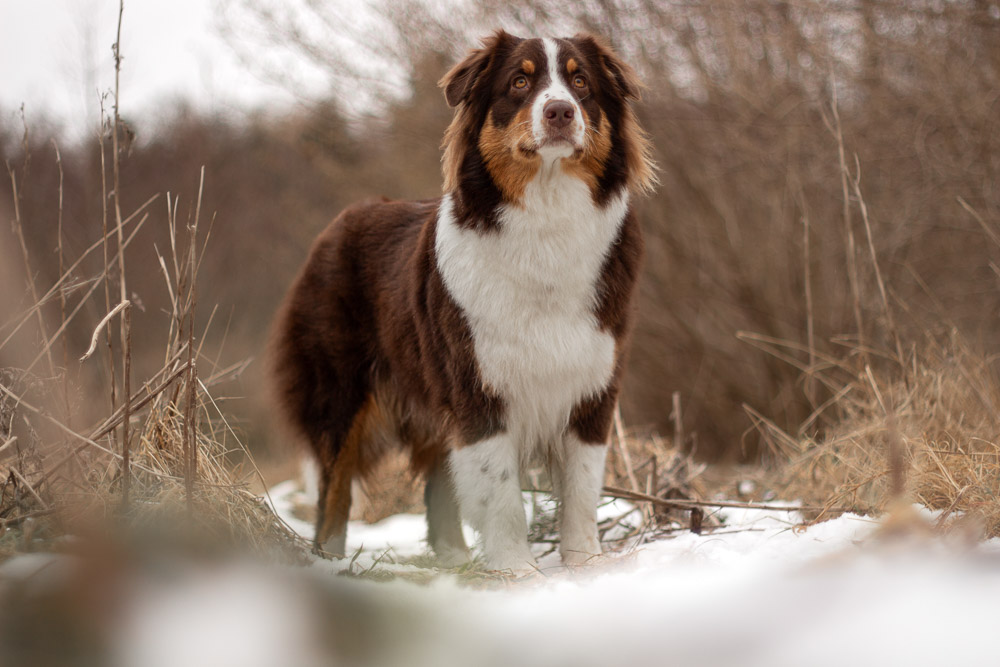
(531, 149)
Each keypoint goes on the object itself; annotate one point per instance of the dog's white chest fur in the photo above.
(528, 291)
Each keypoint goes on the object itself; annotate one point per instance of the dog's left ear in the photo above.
(622, 76)
(459, 83)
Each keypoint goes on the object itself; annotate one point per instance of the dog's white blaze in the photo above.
(556, 90)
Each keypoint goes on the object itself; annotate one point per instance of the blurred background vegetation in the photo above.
(830, 188)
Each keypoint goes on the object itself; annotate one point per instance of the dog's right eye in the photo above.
(520, 82)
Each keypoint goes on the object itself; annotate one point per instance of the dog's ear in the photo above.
(459, 83)
(617, 71)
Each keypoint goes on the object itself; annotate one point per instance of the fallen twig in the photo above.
(28, 486)
(29, 515)
(625, 494)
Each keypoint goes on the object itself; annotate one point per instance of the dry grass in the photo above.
(61, 479)
(926, 431)
(162, 458)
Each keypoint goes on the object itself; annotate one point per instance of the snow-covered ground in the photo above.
(762, 590)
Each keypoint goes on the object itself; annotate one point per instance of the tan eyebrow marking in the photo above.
(528, 66)
(571, 66)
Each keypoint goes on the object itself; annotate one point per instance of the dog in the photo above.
(489, 327)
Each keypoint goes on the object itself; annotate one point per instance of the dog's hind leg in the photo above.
(336, 477)
(335, 501)
(444, 524)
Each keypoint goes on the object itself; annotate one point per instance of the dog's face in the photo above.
(522, 103)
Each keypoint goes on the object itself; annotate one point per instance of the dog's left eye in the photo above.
(579, 81)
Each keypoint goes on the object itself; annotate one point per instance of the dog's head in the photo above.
(522, 103)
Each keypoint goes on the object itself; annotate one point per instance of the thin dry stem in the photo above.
(68, 273)
(810, 387)
(623, 449)
(19, 232)
(851, 252)
(126, 320)
(100, 325)
(62, 293)
(886, 310)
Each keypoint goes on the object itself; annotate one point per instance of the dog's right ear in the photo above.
(459, 83)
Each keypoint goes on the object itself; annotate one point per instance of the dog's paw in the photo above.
(451, 557)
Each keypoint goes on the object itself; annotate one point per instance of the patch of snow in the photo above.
(215, 617)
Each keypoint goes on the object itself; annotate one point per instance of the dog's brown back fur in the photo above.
(361, 358)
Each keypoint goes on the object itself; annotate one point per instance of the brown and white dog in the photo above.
(487, 327)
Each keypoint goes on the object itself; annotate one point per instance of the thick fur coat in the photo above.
(489, 326)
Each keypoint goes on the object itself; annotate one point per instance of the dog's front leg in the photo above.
(578, 478)
(487, 482)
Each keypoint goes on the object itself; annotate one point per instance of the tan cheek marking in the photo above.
(589, 167)
(510, 168)
(571, 66)
(527, 66)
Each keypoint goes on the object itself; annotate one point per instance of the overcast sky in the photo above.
(55, 57)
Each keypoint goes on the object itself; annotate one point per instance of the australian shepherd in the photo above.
(488, 327)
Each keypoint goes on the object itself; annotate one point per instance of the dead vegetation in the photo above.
(162, 456)
(924, 431)
(183, 462)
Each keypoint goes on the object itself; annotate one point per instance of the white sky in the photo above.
(55, 55)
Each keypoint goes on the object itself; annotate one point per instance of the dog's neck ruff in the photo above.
(528, 288)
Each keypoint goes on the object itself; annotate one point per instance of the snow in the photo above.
(206, 618)
(762, 590)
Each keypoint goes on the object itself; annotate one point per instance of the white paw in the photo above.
(579, 552)
(448, 557)
(517, 563)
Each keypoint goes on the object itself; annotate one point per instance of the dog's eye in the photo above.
(579, 81)
(520, 82)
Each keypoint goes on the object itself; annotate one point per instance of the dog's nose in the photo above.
(558, 113)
